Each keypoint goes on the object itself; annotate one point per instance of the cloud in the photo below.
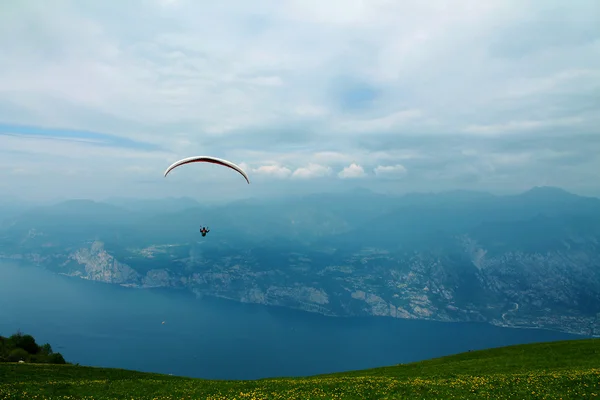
(520, 126)
(312, 171)
(458, 95)
(390, 170)
(273, 170)
(73, 135)
(352, 171)
(395, 120)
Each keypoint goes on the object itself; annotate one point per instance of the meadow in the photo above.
(555, 370)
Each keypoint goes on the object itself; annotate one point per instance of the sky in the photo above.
(98, 98)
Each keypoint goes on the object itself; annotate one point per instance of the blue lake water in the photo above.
(98, 324)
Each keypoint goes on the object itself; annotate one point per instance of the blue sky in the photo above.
(98, 98)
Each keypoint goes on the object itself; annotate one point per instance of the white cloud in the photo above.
(282, 84)
(330, 157)
(390, 170)
(312, 171)
(74, 150)
(273, 170)
(378, 124)
(519, 126)
(352, 171)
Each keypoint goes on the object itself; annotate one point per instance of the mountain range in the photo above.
(526, 260)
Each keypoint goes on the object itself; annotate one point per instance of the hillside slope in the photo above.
(528, 260)
(566, 369)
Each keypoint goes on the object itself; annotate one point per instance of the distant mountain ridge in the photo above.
(531, 259)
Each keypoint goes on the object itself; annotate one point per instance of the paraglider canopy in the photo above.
(208, 159)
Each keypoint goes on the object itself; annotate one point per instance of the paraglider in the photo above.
(213, 160)
(208, 159)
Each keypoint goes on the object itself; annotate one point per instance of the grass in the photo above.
(556, 370)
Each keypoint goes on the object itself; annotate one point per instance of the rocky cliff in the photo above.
(555, 290)
(477, 272)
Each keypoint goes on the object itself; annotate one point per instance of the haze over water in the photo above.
(106, 325)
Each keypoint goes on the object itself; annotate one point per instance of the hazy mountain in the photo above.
(11, 206)
(154, 205)
(531, 259)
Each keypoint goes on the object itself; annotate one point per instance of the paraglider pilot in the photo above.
(204, 231)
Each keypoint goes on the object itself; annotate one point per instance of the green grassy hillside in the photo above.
(567, 370)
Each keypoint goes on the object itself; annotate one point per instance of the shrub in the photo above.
(18, 355)
(56, 358)
(25, 342)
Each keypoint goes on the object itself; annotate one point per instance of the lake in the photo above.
(99, 324)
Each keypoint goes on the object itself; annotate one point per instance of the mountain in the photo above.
(527, 260)
(153, 205)
(11, 206)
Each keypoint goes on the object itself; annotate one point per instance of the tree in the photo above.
(24, 347)
(25, 342)
(18, 355)
(46, 349)
(56, 358)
